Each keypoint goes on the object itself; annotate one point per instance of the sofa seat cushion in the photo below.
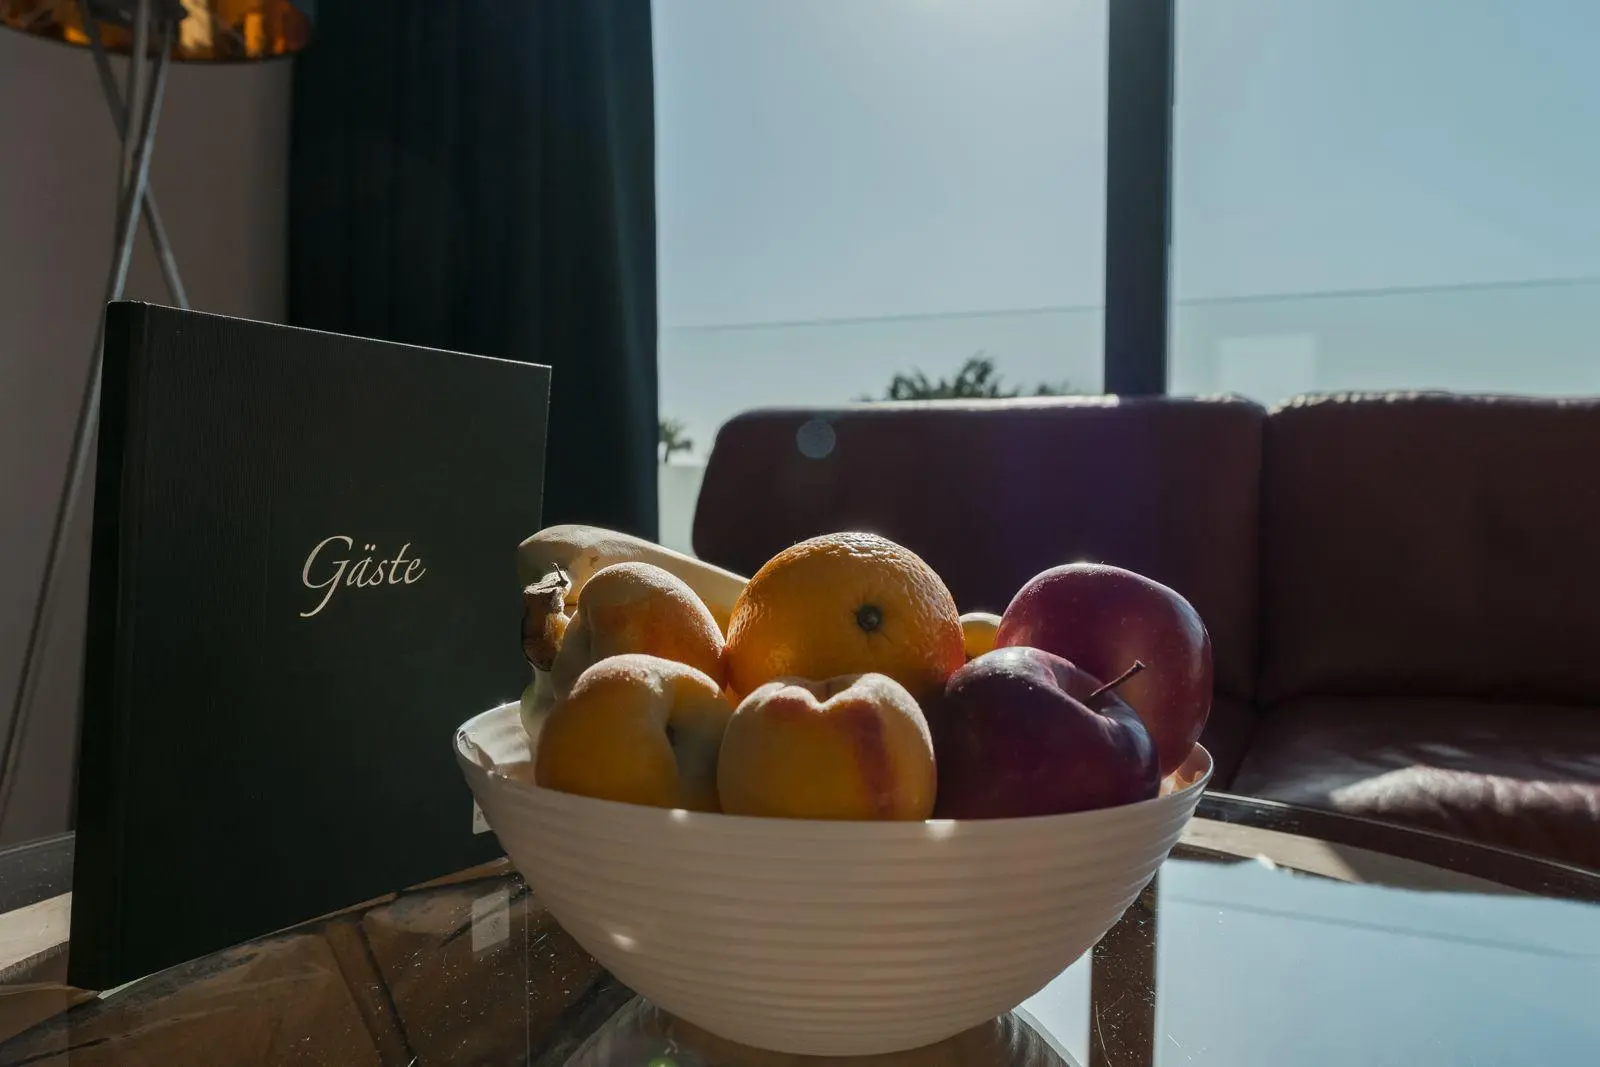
(1522, 777)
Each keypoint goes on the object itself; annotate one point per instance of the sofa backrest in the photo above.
(990, 493)
(1434, 545)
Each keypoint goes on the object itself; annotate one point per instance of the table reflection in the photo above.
(1228, 958)
(643, 1036)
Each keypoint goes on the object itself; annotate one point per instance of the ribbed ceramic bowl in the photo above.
(825, 938)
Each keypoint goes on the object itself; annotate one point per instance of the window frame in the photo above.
(1140, 70)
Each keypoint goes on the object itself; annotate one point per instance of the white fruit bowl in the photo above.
(821, 938)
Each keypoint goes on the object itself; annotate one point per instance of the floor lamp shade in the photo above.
(208, 31)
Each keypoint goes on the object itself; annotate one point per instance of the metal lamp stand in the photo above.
(134, 113)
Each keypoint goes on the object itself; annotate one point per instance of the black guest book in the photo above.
(302, 580)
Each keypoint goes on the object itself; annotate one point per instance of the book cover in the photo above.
(302, 580)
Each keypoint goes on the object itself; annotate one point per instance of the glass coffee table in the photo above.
(1274, 935)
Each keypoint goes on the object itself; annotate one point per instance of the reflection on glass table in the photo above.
(1272, 936)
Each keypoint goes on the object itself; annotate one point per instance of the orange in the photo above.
(844, 603)
(979, 630)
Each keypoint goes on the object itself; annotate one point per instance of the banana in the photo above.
(579, 551)
(535, 705)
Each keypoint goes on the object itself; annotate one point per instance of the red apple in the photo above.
(1103, 619)
(1022, 732)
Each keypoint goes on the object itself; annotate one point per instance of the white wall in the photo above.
(220, 173)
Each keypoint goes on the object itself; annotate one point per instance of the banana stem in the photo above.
(544, 618)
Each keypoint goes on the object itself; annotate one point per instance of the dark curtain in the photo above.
(480, 175)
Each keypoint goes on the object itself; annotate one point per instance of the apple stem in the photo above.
(1119, 679)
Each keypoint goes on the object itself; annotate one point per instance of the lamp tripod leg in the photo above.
(120, 113)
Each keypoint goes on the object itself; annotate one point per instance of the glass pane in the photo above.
(846, 192)
(1373, 196)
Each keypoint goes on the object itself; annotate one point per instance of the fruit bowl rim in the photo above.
(913, 829)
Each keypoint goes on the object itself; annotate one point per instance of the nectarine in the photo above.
(638, 729)
(852, 747)
(637, 607)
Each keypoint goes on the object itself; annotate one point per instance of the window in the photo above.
(1370, 195)
(850, 191)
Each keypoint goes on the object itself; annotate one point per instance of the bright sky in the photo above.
(824, 159)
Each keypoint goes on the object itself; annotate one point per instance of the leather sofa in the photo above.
(1403, 591)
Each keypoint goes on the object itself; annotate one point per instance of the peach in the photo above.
(636, 607)
(639, 729)
(852, 747)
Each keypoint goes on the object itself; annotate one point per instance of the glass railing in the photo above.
(710, 373)
(1540, 338)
